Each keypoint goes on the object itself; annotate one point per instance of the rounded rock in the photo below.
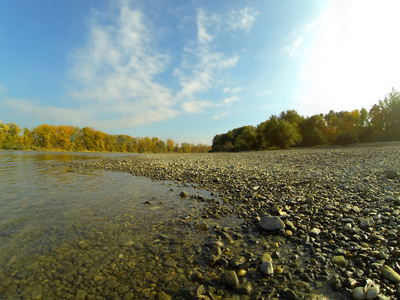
(267, 268)
(230, 278)
(372, 292)
(358, 293)
(390, 274)
(271, 223)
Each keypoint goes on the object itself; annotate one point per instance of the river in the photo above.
(84, 235)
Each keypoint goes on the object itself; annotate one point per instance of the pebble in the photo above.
(170, 263)
(163, 296)
(314, 232)
(230, 278)
(358, 293)
(339, 260)
(267, 268)
(366, 223)
(372, 292)
(390, 274)
(271, 223)
(328, 200)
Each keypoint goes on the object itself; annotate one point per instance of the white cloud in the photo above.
(196, 106)
(242, 19)
(202, 66)
(202, 35)
(233, 90)
(297, 38)
(116, 69)
(115, 72)
(230, 100)
(353, 58)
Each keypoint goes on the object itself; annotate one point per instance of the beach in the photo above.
(314, 223)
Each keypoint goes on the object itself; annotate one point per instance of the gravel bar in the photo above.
(316, 223)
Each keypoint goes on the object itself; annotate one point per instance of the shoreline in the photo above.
(340, 208)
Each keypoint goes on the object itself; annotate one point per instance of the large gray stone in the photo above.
(390, 274)
(267, 268)
(367, 223)
(271, 223)
(230, 278)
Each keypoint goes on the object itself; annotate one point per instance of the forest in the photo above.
(289, 129)
(70, 138)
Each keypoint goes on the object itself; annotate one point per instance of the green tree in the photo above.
(312, 130)
(63, 136)
(385, 117)
(9, 136)
(112, 144)
(280, 133)
(28, 138)
(186, 147)
(43, 136)
(245, 139)
(170, 145)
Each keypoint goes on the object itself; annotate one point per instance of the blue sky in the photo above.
(188, 70)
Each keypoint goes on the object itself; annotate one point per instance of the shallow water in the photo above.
(58, 226)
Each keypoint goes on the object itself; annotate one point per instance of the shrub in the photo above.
(346, 137)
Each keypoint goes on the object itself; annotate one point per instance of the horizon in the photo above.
(190, 70)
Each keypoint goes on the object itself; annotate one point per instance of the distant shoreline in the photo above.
(356, 145)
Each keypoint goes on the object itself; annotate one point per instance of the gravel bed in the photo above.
(316, 223)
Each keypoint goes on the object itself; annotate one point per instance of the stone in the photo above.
(315, 297)
(267, 268)
(339, 260)
(169, 263)
(271, 223)
(330, 207)
(277, 209)
(128, 296)
(314, 232)
(366, 223)
(390, 274)
(358, 293)
(196, 276)
(81, 295)
(265, 257)
(111, 283)
(372, 292)
(230, 278)
(390, 174)
(163, 296)
(309, 200)
(183, 194)
(244, 288)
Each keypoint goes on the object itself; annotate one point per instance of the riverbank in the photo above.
(315, 221)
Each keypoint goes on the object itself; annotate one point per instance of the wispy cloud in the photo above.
(242, 19)
(202, 64)
(230, 100)
(115, 75)
(115, 70)
(297, 38)
(233, 90)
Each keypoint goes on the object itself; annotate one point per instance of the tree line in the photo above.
(289, 129)
(70, 138)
